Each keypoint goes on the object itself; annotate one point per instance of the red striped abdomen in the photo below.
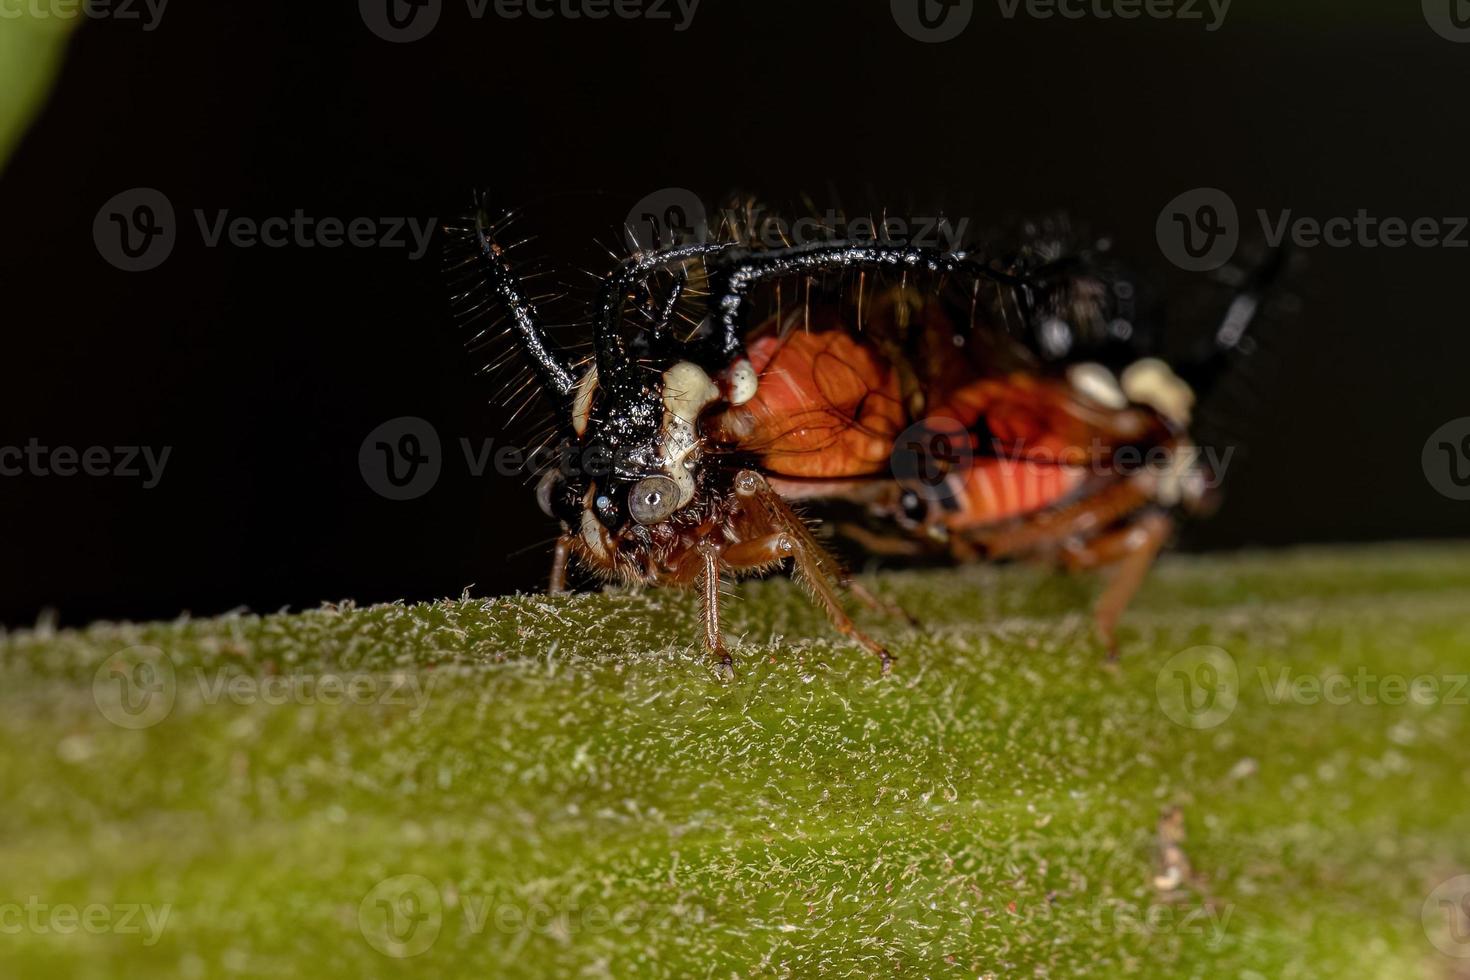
(993, 490)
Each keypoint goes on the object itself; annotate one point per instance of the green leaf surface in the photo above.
(32, 41)
(532, 786)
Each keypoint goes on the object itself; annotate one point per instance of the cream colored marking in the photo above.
(582, 401)
(1097, 383)
(687, 390)
(744, 382)
(592, 534)
(1153, 383)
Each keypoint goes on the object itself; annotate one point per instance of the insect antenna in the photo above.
(482, 279)
(1232, 338)
(733, 281)
(1226, 378)
(628, 279)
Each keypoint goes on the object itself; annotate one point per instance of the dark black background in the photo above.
(265, 368)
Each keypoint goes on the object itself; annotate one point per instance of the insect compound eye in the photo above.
(653, 499)
(913, 506)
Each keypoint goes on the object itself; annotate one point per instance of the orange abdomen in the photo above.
(993, 490)
(828, 407)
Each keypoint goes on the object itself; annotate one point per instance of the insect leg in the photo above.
(1130, 551)
(558, 582)
(1086, 516)
(881, 544)
(709, 605)
(759, 554)
(877, 603)
(809, 570)
(815, 568)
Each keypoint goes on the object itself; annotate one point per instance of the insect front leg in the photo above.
(558, 577)
(816, 569)
(709, 607)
